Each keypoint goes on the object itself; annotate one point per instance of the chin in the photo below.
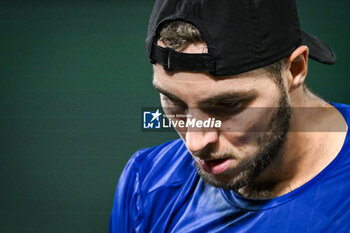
(233, 180)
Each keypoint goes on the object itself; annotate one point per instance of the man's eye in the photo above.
(166, 99)
(224, 109)
(170, 100)
(229, 105)
(173, 106)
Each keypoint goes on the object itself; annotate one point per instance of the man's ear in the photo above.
(297, 64)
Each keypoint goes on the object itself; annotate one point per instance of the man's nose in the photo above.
(197, 140)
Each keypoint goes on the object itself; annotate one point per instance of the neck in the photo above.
(313, 141)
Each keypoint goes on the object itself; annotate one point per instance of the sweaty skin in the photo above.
(301, 155)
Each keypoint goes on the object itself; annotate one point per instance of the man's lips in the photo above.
(215, 166)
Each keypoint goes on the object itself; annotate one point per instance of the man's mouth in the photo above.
(214, 166)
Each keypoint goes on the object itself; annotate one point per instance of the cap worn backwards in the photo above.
(241, 35)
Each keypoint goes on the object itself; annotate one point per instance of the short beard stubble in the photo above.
(270, 144)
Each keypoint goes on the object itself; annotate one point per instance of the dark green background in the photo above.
(74, 77)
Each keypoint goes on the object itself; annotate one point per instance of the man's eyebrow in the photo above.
(166, 93)
(237, 95)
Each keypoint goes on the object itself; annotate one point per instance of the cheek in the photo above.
(252, 120)
(245, 131)
(243, 145)
(242, 140)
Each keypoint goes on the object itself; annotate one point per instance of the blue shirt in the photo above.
(160, 191)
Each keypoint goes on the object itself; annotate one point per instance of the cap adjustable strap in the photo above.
(172, 60)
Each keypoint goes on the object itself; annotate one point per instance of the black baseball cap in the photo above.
(241, 35)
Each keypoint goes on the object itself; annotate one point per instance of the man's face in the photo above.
(253, 127)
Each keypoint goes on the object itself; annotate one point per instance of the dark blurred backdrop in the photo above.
(73, 78)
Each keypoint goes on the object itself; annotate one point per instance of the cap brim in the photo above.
(318, 49)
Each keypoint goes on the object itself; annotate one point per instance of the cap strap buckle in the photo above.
(172, 60)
